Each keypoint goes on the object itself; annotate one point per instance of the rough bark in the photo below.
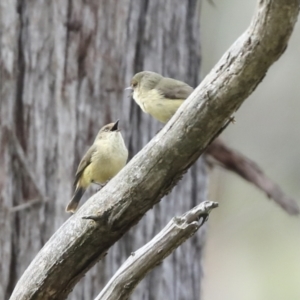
(79, 243)
(63, 68)
(140, 262)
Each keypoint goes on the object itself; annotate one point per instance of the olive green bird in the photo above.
(157, 95)
(104, 159)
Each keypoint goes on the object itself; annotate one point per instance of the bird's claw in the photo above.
(99, 184)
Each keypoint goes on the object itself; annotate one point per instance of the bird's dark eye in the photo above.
(134, 84)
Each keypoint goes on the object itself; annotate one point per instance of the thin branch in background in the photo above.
(236, 162)
(28, 170)
(141, 262)
(212, 3)
(25, 205)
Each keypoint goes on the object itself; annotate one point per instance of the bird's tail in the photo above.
(72, 206)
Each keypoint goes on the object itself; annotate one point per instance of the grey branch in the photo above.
(17, 148)
(154, 171)
(135, 268)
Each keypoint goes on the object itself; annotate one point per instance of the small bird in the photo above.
(157, 95)
(104, 159)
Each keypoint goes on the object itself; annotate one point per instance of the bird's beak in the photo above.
(129, 88)
(115, 127)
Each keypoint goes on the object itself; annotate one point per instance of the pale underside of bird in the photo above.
(157, 95)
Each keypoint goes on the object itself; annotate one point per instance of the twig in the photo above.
(250, 171)
(26, 166)
(135, 268)
(25, 205)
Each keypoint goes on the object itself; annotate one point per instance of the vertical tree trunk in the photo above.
(64, 65)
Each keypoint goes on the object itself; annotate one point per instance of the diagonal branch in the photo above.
(154, 171)
(141, 262)
(250, 171)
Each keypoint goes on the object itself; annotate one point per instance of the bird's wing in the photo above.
(174, 89)
(85, 161)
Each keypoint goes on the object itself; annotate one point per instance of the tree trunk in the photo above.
(64, 66)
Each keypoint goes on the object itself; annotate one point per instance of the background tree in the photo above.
(64, 66)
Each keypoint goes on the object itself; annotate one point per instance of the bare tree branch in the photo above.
(25, 205)
(250, 171)
(152, 173)
(135, 268)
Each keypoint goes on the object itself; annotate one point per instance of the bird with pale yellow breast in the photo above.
(104, 159)
(157, 95)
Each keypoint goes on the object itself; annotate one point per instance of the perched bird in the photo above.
(157, 95)
(104, 159)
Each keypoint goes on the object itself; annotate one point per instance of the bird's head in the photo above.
(145, 81)
(109, 131)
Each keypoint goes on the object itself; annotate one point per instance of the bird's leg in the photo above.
(99, 184)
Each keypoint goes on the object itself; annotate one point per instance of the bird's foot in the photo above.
(101, 185)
